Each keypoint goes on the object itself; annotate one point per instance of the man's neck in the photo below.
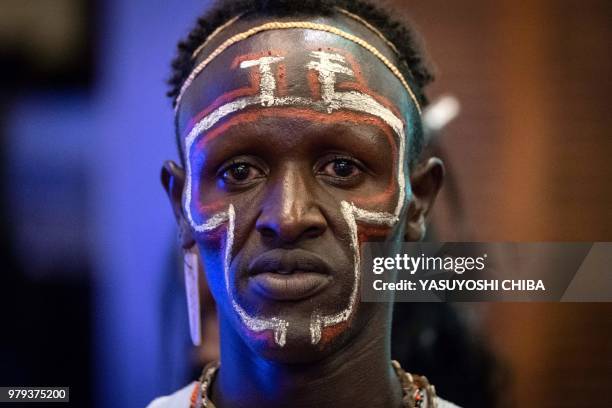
(357, 375)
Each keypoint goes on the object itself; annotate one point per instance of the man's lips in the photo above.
(294, 286)
(281, 274)
(287, 261)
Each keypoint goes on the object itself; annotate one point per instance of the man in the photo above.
(299, 128)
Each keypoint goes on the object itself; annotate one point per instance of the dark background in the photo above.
(90, 296)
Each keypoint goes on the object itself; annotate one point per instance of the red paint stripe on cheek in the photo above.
(372, 234)
(213, 240)
(266, 336)
(212, 207)
(330, 333)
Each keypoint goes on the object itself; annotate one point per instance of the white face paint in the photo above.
(328, 65)
(267, 84)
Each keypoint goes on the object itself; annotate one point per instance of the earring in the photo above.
(192, 289)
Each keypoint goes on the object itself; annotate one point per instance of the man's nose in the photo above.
(290, 212)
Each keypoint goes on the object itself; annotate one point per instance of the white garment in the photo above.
(179, 399)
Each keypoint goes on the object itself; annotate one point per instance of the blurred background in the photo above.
(91, 294)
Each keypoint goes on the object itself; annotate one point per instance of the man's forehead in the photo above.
(290, 58)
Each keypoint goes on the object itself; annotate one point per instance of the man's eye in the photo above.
(342, 168)
(240, 173)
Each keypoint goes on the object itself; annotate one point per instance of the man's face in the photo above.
(295, 152)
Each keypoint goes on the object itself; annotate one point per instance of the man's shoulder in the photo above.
(178, 399)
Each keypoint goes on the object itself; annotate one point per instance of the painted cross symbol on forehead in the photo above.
(327, 65)
(267, 82)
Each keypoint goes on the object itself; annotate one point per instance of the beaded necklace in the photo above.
(417, 392)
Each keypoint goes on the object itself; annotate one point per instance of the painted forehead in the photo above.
(299, 64)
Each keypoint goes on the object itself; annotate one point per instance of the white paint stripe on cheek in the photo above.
(203, 125)
(351, 214)
(212, 223)
(277, 325)
(374, 217)
(318, 322)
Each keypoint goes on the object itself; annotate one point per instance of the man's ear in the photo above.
(173, 179)
(426, 180)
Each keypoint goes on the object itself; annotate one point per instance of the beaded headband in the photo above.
(214, 34)
(284, 26)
